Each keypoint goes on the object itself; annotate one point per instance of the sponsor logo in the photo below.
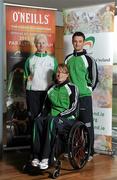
(89, 43)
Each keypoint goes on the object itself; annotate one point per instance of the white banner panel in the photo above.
(102, 125)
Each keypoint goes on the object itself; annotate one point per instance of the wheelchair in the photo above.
(78, 147)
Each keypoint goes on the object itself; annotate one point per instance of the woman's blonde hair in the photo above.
(40, 36)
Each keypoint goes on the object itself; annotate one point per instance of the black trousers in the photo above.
(86, 116)
(35, 100)
(46, 130)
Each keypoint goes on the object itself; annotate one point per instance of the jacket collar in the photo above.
(40, 54)
(62, 84)
(75, 53)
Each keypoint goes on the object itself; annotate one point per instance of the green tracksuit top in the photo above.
(83, 72)
(63, 100)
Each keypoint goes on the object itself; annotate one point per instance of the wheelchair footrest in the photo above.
(57, 169)
(58, 164)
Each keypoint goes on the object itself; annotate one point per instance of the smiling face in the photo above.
(78, 43)
(41, 43)
(61, 75)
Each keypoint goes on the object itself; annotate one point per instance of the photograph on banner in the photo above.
(93, 19)
(22, 25)
(102, 97)
(99, 45)
(103, 143)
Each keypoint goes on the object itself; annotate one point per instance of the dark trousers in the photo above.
(35, 100)
(39, 135)
(86, 116)
(45, 134)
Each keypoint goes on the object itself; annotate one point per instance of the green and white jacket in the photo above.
(40, 69)
(62, 100)
(83, 72)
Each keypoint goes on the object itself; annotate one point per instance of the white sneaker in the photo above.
(35, 162)
(65, 155)
(54, 159)
(43, 164)
(90, 158)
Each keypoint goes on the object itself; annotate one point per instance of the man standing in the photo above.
(84, 74)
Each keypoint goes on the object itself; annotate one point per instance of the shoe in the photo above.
(35, 162)
(43, 164)
(90, 158)
(65, 155)
(54, 159)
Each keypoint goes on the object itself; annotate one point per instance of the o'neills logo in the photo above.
(30, 18)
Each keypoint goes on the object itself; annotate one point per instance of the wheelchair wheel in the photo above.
(56, 174)
(27, 167)
(57, 169)
(78, 145)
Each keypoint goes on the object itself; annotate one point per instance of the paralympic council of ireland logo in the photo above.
(89, 43)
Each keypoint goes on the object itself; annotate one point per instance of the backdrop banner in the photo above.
(22, 24)
(97, 23)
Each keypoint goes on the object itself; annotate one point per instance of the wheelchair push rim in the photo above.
(78, 145)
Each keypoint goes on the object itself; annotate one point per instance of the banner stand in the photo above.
(97, 23)
(23, 23)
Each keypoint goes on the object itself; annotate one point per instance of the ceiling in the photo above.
(58, 4)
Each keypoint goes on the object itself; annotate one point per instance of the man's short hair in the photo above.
(78, 34)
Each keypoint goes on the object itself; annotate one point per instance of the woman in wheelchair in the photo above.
(59, 112)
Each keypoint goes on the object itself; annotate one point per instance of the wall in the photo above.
(59, 44)
(59, 47)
